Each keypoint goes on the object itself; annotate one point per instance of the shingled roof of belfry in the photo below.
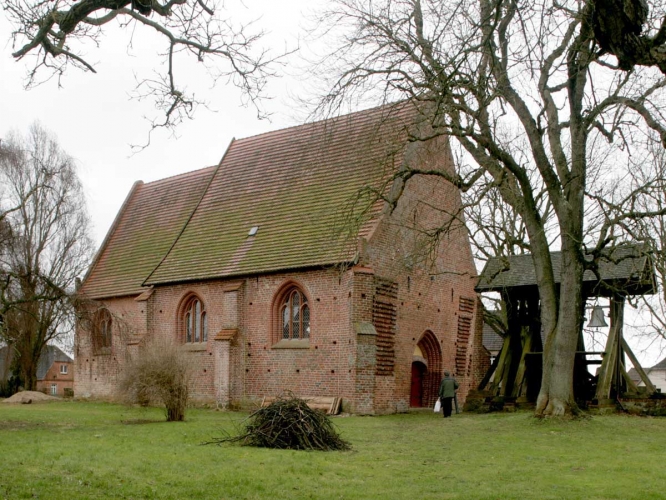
(295, 185)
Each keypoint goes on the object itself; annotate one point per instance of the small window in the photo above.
(54, 389)
(295, 316)
(63, 369)
(195, 322)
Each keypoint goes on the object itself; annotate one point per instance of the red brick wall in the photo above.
(96, 372)
(432, 275)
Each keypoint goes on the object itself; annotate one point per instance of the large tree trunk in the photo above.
(556, 397)
(27, 367)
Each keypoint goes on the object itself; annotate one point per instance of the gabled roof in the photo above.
(295, 185)
(292, 185)
(145, 228)
(625, 268)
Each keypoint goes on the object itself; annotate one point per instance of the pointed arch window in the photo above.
(294, 316)
(102, 331)
(195, 321)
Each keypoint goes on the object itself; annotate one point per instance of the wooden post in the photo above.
(519, 386)
(631, 386)
(609, 364)
(646, 380)
(501, 365)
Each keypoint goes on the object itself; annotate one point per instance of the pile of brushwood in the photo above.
(289, 424)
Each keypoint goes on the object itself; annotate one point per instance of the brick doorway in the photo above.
(426, 371)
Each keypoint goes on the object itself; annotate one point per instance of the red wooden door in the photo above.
(416, 394)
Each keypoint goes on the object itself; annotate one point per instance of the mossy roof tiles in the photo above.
(296, 185)
(293, 185)
(145, 228)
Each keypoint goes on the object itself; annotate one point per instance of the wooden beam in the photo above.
(518, 386)
(631, 385)
(646, 380)
(489, 374)
(501, 366)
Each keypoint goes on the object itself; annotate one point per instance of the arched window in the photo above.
(195, 321)
(294, 316)
(102, 330)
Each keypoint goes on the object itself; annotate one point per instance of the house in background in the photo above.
(55, 370)
(656, 374)
(275, 271)
(492, 342)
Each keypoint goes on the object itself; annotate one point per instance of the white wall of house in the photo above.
(657, 377)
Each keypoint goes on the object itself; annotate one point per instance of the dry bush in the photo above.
(160, 375)
(288, 423)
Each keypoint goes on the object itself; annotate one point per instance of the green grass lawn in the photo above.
(73, 450)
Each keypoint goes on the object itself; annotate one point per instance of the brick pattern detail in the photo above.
(384, 315)
(467, 304)
(462, 341)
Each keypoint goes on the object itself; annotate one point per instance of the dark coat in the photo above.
(447, 388)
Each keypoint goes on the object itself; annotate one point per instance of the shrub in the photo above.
(160, 374)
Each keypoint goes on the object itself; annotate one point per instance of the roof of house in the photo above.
(659, 366)
(491, 339)
(634, 376)
(625, 267)
(51, 354)
(296, 185)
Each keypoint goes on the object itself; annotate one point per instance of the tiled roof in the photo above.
(148, 223)
(625, 267)
(293, 185)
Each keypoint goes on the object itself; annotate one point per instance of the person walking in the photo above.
(447, 391)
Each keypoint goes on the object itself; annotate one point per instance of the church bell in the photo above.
(597, 319)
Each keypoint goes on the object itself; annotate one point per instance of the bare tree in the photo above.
(542, 100)
(54, 34)
(644, 191)
(47, 246)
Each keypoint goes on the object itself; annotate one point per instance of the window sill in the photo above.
(195, 347)
(292, 344)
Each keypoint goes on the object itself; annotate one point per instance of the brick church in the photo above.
(281, 269)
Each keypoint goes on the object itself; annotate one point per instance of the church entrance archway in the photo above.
(426, 371)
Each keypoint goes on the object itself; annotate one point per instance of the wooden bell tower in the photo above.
(514, 378)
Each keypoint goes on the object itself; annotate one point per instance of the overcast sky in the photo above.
(95, 121)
